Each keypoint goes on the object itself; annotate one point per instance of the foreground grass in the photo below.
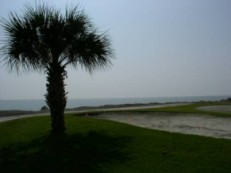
(96, 146)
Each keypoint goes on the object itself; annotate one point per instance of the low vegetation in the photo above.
(193, 108)
(92, 145)
(5, 113)
(185, 108)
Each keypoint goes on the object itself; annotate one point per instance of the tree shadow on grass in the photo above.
(62, 153)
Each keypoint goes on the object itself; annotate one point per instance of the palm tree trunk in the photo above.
(56, 96)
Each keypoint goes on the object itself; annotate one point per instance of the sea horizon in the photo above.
(37, 104)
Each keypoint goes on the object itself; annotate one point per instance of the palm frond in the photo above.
(44, 35)
(88, 48)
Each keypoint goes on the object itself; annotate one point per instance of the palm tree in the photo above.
(44, 39)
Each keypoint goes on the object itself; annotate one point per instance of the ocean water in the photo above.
(36, 105)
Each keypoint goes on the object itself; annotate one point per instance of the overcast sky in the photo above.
(163, 48)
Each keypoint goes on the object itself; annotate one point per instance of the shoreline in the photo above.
(185, 123)
(127, 106)
(13, 112)
(37, 104)
(7, 113)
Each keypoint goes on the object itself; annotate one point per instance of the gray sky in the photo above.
(163, 48)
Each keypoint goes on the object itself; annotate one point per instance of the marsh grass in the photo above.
(92, 145)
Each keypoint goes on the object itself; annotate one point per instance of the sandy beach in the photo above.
(197, 124)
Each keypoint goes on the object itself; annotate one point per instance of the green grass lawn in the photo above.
(97, 146)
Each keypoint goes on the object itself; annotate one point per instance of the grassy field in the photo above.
(97, 146)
